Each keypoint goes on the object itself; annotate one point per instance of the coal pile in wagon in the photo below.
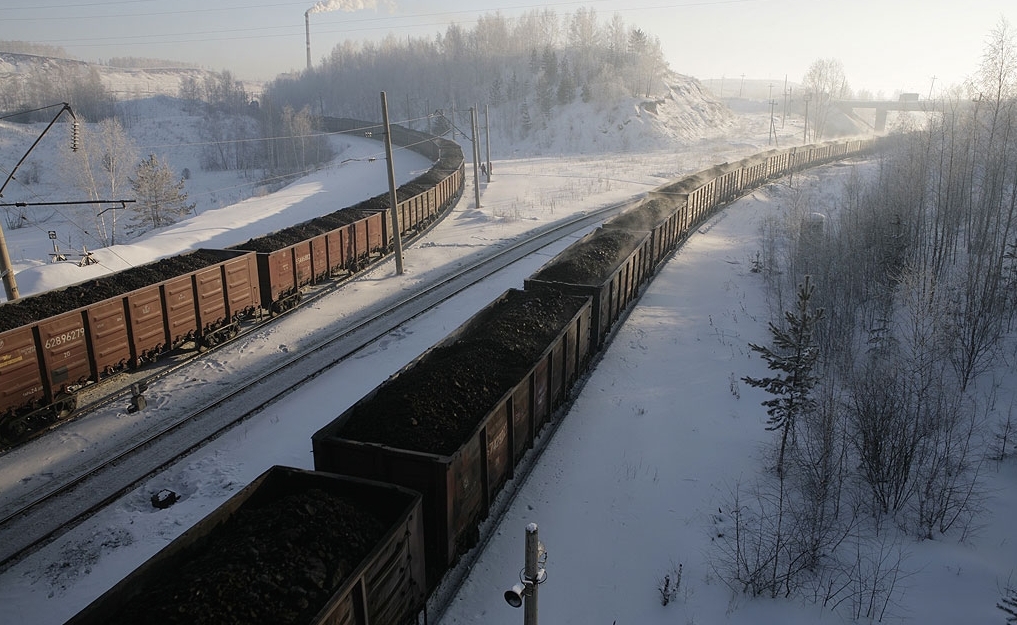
(691, 183)
(314, 227)
(435, 405)
(276, 563)
(27, 310)
(320, 225)
(591, 260)
(646, 216)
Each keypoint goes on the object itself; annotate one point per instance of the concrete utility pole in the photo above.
(475, 140)
(452, 123)
(487, 139)
(7, 270)
(773, 128)
(805, 136)
(393, 199)
(787, 94)
(476, 156)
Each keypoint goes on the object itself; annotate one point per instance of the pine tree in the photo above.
(794, 355)
(567, 84)
(496, 94)
(524, 114)
(160, 200)
(545, 96)
(549, 64)
(534, 62)
(1009, 605)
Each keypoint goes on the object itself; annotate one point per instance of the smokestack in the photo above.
(307, 28)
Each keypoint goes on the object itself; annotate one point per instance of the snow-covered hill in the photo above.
(18, 71)
(685, 115)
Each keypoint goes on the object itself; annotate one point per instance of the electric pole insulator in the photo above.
(75, 129)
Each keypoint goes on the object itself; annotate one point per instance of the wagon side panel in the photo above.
(65, 352)
(21, 382)
(107, 327)
(181, 312)
(146, 322)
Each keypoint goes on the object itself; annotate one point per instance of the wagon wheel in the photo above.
(12, 431)
(65, 405)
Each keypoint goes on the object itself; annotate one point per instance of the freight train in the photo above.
(56, 343)
(437, 442)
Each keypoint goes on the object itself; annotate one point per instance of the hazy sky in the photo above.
(885, 45)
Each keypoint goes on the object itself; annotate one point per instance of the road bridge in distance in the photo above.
(906, 102)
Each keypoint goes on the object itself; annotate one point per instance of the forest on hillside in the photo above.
(522, 67)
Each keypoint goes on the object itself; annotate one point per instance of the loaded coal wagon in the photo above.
(315, 251)
(608, 265)
(454, 423)
(294, 547)
(660, 215)
(349, 239)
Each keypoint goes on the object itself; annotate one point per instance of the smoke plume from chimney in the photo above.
(323, 6)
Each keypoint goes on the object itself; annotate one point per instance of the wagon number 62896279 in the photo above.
(66, 337)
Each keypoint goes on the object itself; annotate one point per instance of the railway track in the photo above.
(36, 517)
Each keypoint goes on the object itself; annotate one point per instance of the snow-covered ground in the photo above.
(630, 484)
